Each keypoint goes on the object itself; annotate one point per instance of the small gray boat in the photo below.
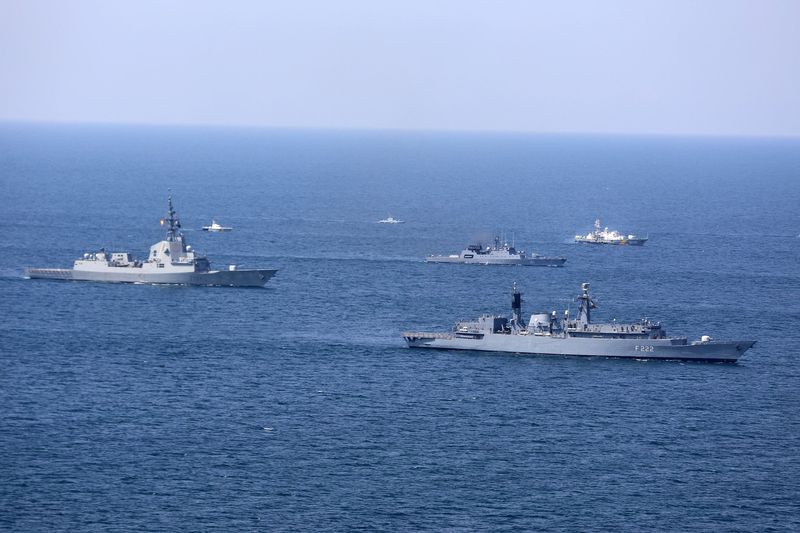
(477, 254)
(548, 334)
(170, 261)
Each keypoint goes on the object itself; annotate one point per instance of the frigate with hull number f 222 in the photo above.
(549, 334)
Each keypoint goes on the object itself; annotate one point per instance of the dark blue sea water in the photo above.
(297, 406)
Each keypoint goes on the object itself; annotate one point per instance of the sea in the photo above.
(298, 406)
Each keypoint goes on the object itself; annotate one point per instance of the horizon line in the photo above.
(378, 129)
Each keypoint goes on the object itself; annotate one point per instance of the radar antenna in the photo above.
(174, 225)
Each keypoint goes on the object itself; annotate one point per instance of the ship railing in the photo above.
(426, 335)
(61, 273)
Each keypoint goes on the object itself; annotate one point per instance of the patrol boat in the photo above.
(477, 254)
(391, 220)
(216, 227)
(604, 236)
(548, 334)
(170, 261)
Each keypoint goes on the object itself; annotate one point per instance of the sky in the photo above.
(697, 67)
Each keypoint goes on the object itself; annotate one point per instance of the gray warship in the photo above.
(548, 334)
(170, 261)
(606, 236)
(477, 254)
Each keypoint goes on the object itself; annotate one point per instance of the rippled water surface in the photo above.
(297, 406)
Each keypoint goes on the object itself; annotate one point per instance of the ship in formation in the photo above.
(496, 254)
(550, 334)
(605, 236)
(391, 220)
(170, 261)
(216, 227)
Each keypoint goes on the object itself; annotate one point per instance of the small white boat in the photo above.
(606, 236)
(391, 220)
(216, 227)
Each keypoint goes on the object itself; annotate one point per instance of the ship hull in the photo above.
(545, 261)
(226, 278)
(531, 261)
(625, 242)
(665, 349)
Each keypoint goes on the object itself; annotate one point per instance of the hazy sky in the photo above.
(698, 67)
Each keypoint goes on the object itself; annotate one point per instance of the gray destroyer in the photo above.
(477, 254)
(548, 334)
(170, 261)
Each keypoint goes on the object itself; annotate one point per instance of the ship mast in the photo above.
(516, 306)
(586, 305)
(174, 225)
